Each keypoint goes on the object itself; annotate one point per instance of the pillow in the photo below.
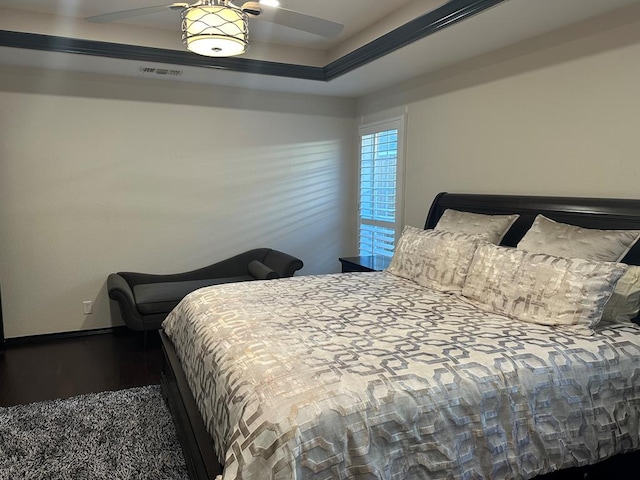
(540, 288)
(434, 259)
(492, 227)
(562, 240)
(554, 238)
(624, 304)
(260, 271)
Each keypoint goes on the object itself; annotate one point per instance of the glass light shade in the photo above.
(215, 30)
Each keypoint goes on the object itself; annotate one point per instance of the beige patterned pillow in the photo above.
(540, 288)
(624, 304)
(434, 259)
(492, 227)
(563, 240)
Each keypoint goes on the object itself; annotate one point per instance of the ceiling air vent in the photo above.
(168, 72)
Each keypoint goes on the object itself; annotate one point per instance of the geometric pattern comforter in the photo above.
(371, 376)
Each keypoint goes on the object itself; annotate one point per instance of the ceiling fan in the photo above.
(219, 28)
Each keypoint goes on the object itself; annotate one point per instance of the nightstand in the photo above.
(366, 263)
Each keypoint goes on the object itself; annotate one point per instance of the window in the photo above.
(381, 176)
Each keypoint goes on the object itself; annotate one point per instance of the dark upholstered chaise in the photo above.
(146, 299)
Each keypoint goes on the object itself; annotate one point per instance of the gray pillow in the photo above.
(434, 259)
(570, 241)
(260, 271)
(540, 288)
(492, 227)
(624, 304)
(560, 239)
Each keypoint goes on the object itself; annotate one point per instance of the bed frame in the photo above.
(603, 213)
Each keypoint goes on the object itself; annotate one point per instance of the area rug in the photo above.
(126, 434)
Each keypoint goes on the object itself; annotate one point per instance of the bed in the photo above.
(371, 375)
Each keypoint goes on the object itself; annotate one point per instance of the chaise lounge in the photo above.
(145, 300)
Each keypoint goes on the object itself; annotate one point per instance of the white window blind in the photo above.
(380, 187)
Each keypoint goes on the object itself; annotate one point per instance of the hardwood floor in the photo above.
(61, 368)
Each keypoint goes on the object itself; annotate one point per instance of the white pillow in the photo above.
(492, 227)
(563, 240)
(540, 288)
(434, 259)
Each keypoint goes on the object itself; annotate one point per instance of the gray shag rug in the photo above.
(126, 434)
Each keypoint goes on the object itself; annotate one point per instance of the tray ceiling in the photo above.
(366, 22)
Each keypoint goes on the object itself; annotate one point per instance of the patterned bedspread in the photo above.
(368, 375)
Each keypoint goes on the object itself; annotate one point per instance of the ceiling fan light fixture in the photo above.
(215, 30)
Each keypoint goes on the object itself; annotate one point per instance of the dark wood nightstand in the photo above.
(367, 263)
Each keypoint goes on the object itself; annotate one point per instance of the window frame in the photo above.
(392, 123)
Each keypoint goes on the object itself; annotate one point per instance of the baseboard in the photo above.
(48, 337)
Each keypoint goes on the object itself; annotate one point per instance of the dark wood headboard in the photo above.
(603, 213)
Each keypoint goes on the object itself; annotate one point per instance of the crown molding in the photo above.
(446, 15)
(50, 43)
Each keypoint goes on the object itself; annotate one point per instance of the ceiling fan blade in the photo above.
(300, 21)
(135, 12)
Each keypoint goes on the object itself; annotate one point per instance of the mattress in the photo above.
(368, 375)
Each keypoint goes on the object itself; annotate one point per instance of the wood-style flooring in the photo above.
(62, 368)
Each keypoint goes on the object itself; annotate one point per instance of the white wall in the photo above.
(557, 115)
(102, 174)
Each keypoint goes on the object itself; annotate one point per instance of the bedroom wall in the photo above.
(556, 115)
(101, 174)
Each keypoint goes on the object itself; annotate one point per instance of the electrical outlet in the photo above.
(87, 307)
